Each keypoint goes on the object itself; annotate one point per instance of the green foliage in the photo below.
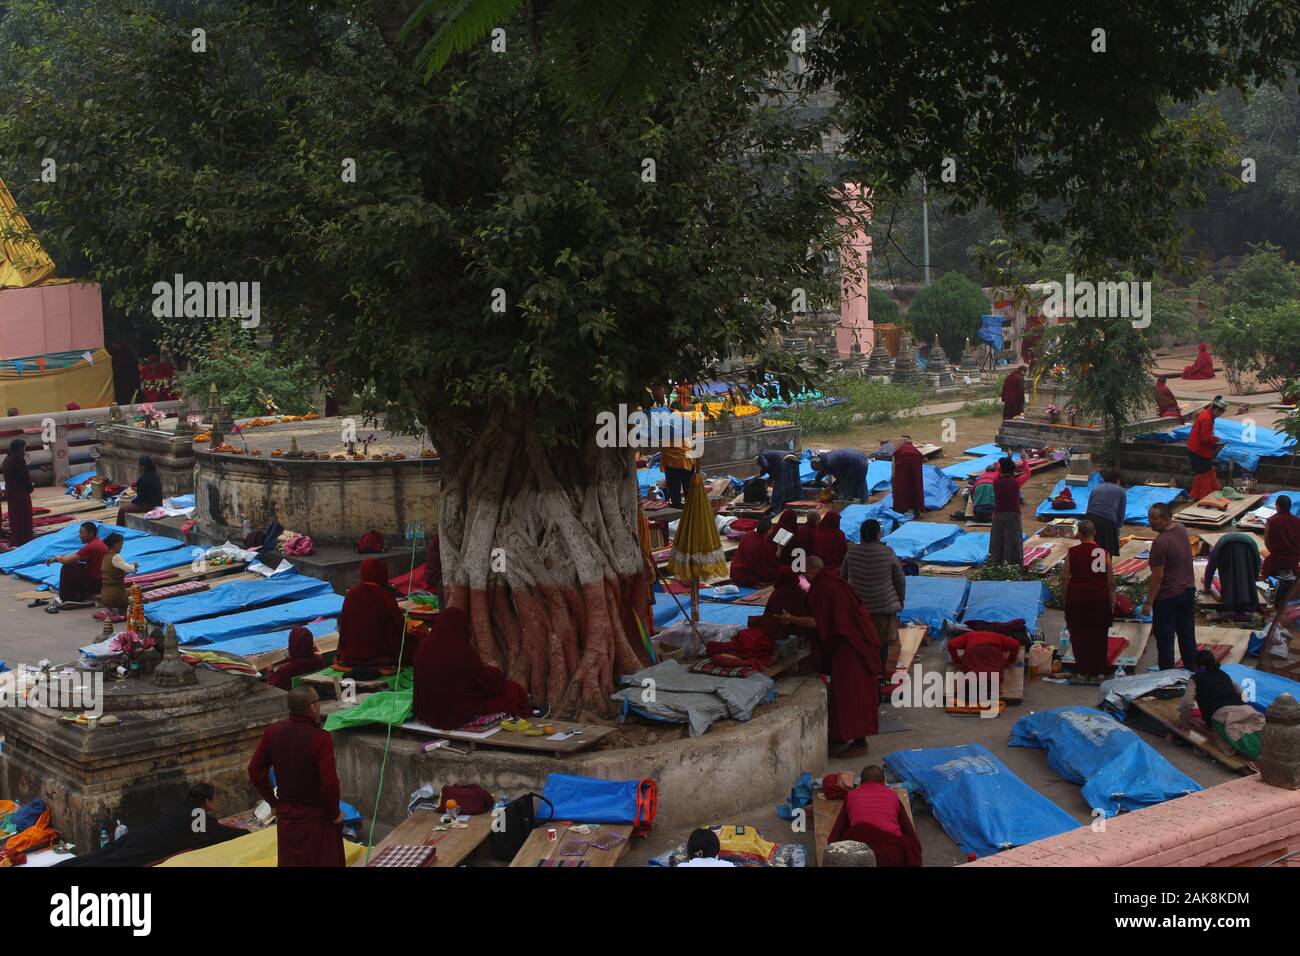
(950, 308)
(1106, 365)
(881, 307)
(863, 402)
(1278, 334)
(1264, 279)
(1234, 338)
(982, 409)
(999, 572)
(248, 377)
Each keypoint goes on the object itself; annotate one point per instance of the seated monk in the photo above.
(453, 685)
(874, 815)
(1166, 404)
(1282, 538)
(756, 563)
(302, 659)
(1203, 367)
(371, 623)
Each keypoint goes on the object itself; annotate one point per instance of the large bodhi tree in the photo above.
(496, 179)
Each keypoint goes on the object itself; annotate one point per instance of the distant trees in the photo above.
(950, 308)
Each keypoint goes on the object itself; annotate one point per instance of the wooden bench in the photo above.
(512, 740)
(825, 812)
(1165, 712)
(538, 847)
(453, 845)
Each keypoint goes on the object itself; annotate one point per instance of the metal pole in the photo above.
(925, 231)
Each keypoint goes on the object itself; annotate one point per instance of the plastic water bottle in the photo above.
(1065, 639)
(119, 831)
(1120, 672)
(103, 837)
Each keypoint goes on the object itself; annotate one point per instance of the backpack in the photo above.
(520, 819)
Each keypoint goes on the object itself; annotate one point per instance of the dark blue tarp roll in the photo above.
(263, 619)
(1006, 601)
(235, 596)
(58, 542)
(269, 640)
(1117, 769)
(980, 803)
(933, 600)
(1260, 688)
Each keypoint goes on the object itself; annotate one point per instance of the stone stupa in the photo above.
(938, 369)
(970, 367)
(906, 371)
(879, 364)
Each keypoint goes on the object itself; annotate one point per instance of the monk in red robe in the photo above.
(756, 563)
(1203, 366)
(874, 815)
(1166, 403)
(787, 595)
(829, 543)
(302, 659)
(850, 647)
(1013, 393)
(1202, 446)
(18, 493)
(371, 623)
(789, 521)
(453, 685)
(1282, 538)
(306, 794)
(907, 485)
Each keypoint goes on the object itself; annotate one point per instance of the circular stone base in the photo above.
(727, 770)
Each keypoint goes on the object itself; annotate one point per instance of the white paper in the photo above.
(782, 536)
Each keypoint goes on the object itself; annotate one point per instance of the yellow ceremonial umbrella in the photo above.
(23, 261)
(697, 549)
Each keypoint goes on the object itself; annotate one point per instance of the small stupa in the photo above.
(879, 364)
(906, 371)
(938, 369)
(969, 364)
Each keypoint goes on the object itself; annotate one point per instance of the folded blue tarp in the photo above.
(938, 489)
(75, 480)
(807, 473)
(1117, 769)
(1245, 446)
(1141, 497)
(667, 611)
(235, 596)
(916, 538)
(147, 554)
(1260, 688)
(969, 547)
(647, 478)
(852, 516)
(262, 619)
(879, 475)
(1003, 601)
(961, 470)
(1080, 496)
(269, 640)
(980, 803)
(57, 542)
(988, 449)
(1271, 500)
(933, 600)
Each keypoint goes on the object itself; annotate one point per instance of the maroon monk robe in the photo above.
(850, 644)
(829, 542)
(874, 815)
(806, 539)
(303, 659)
(1282, 538)
(371, 623)
(907, 485)
(18, 496)
(1013, 395)
(755, 564)
(1203, 366)
(306, 798)
(453, 685)
(789, 521)
(1166, 403)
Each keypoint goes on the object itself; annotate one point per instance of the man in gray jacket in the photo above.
(873, 570)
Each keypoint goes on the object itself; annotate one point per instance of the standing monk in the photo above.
(18, 492)
(906, 484)
(850, 649)
(1202, 446)
(306, 794)
(1013, 393)
(1166, 404)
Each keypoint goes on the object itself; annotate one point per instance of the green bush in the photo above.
(1264, 279)
(882, 308)
(246, 375)
(950, 308)
(862, 402)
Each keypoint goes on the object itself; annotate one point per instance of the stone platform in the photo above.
(120, 448)
(167, 740)
(733, 767)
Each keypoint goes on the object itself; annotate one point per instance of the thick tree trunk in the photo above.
(540, 548)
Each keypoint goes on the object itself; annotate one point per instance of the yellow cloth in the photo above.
(697, 549)
(256, 849)
(90, 386)
(23, 261)
(747, 842)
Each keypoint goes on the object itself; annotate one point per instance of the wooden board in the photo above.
(453, 845)
(783, 664)
(323, 680)
(949, 570)
(325, 644)
(509, 740)
(1059, 547)
(930, 450)
(1200, 516)
(1237, 638)
(910, 639)
(537, 847)
(1137, 634)
(1011, 688)
(1165, 712)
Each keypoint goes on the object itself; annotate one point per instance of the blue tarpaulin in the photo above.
(915, 538)
(969, 547)
(668, 611)
(262, 619)
(1006, 601)
(57, 542)
(1141, 497)
(1242, 444)
(1271, 500)
(647, 478)
(980, 803)
(988, 449)
(1117, 769)
(148, 554)
(991, 330)
(75, 480)
(235, 596)
(971, 466)
(269, 640)
(879, 475)
(807, 474)
(852, 516)
(1079, 494)
(1260, 688)
(933, 600)
(938, 489)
